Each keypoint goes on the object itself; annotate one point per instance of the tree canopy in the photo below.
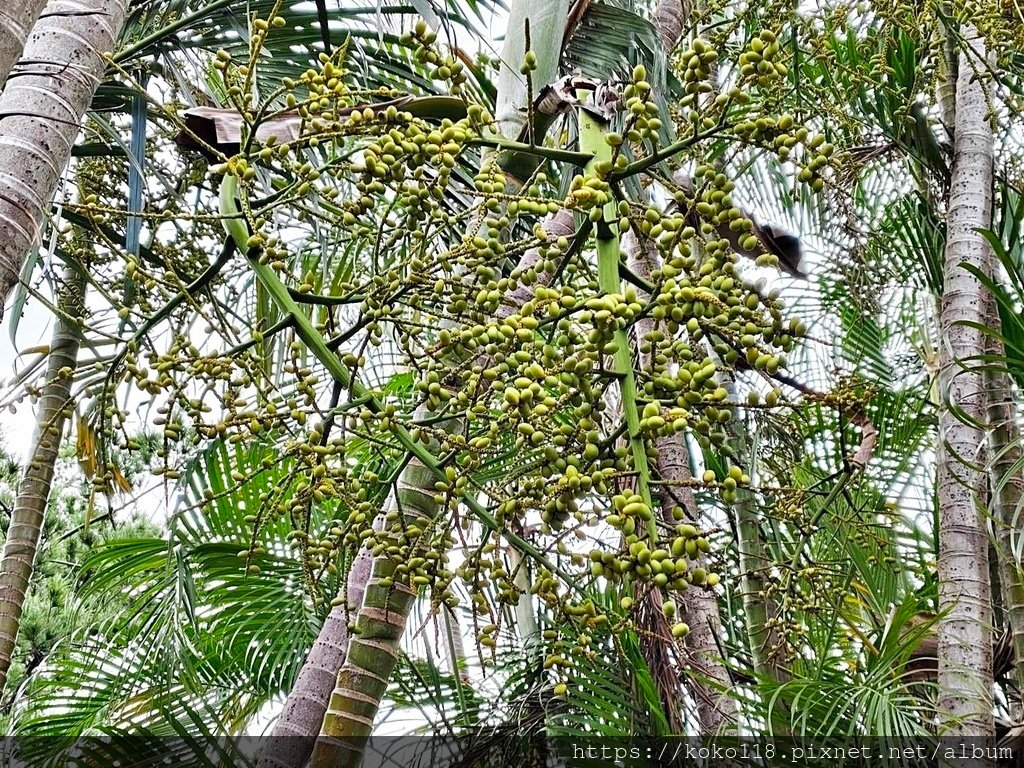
(651, 369)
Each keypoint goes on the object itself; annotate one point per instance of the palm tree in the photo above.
(1005, 439)
(965, 593)
(43, 110)
(27, 517)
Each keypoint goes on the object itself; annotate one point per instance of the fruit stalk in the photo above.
(593, 141)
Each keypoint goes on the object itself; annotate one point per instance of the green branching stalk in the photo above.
(363, 678)
(609, 258)
(166, 33)
(578, 159)
(665, 153)
(592, 141)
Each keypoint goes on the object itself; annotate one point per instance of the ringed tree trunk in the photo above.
(1006, 489)
(965, 643)
(54, 408)
(40, 116)
(41, 113)
(291, 741)
(16, 20)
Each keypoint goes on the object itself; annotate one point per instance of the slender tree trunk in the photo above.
(758, 609)
(945, 89)
(16, 20)
(708, 679)
(526, 616)
(559, 224)
(763, 640)
(670, 17)
(965, 640)
(54, 408)
(455, 648)
(40, 116)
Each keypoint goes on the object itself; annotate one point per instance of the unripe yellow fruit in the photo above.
(681, 629)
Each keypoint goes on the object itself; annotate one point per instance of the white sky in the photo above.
(33, 331)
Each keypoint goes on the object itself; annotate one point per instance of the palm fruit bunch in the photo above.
(665, 567)
(445, 65)
(697, 62)
(514, 387)
(529, 385)
(760, 63)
